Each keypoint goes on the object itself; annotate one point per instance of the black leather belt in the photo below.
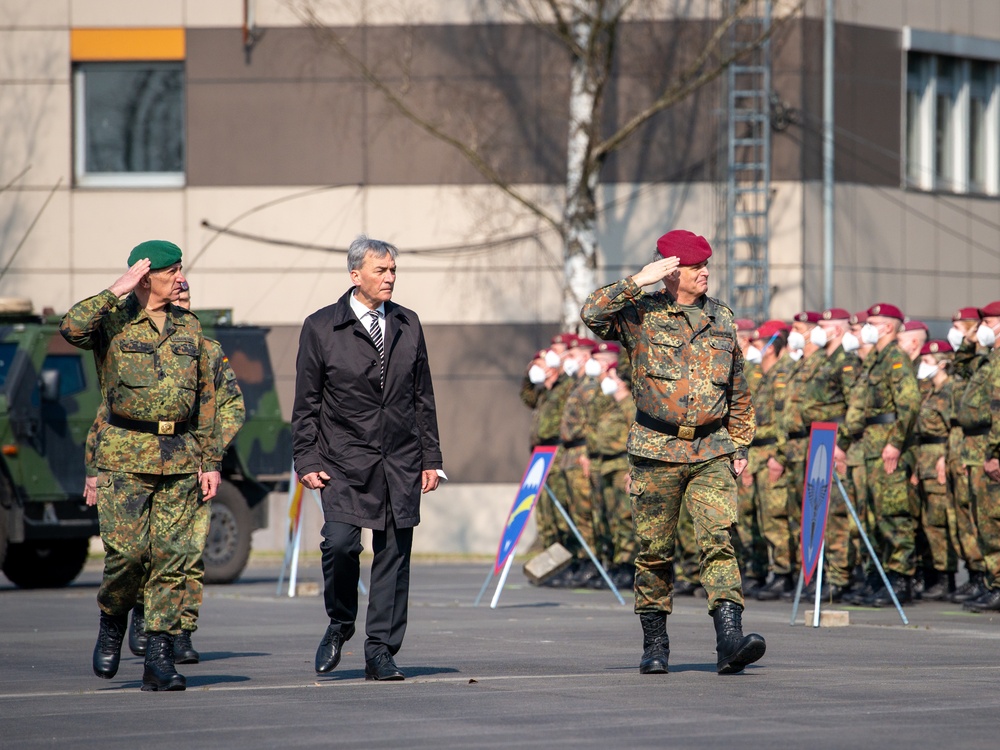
(976, 431)
(931, 440)
(683, 431)
(798, 435)
(573, 443)
(757, 442)
(152, 428)
(881, 419)
(954, 423)
(549, 441)
(606, 456)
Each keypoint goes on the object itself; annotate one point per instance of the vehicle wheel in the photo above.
(228, 544)
(45, 564)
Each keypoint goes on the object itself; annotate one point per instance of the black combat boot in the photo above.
(159, 672)
(108, 649)
(137, 631)
(974, 588)
(655, 643)
(902, 587)
(942, 589)
(988, 602)
(734, 649)
(184, 652)
(779, 584)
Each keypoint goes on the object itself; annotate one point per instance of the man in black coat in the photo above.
(364, 433)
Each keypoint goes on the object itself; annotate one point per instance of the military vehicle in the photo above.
(48, 398)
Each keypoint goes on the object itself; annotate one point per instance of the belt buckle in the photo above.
(165, 428)
(685, 432)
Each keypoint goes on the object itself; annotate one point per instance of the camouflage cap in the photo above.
(160, 253)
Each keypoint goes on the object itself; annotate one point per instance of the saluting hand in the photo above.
(656, 271)
(131, 278)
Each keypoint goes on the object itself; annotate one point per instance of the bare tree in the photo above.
(589, 33)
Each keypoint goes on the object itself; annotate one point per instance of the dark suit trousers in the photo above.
(390, 582)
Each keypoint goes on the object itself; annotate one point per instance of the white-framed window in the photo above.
(952, 111)
(129, 124)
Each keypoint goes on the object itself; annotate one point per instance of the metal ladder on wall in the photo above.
(748, 162)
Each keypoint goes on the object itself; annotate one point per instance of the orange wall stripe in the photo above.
(89, 45)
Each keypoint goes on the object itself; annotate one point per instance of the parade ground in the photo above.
(546, 668)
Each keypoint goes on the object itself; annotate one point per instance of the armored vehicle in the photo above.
(48, 398)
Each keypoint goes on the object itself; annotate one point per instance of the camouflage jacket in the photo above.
(980, 400)
(680, 375)
(149, 376)
(886, 385)
(610, 421)
(547, 407)
(793, 418)
(575, 426)
(754, 373)
(933, 424)
(768, 402)
(230, 411)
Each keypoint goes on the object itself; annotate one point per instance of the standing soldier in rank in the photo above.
(156, 450)
(694, 421)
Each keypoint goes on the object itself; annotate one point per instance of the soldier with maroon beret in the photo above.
(694, 422)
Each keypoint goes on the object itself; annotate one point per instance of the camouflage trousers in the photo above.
(842, 537)
(986, 505)
(937, 521)
(613, 528)
(581, 507)
(965, 520)
(893, 525)
(708, 490)
(687, 565)
(147, 520)
(549, 524)
(775, 525)
(752, 549)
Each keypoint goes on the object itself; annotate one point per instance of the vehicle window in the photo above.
(70, 369)
(7, 352)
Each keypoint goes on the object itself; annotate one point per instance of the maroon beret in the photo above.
(771, 327)
(607, 346)
(584, 343)
(563, 338)
(836, 313)
(936, 347)
(966, 313)
(915, 325)
(540, 354)
(689, 248)
(807, 316)
(744, 324)
(992, 310)
(859, 318)
(886, 310)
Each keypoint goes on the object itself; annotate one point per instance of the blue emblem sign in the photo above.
(816, 494)
(527, 495)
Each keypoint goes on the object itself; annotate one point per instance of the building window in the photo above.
(952, 121)
(129, 124)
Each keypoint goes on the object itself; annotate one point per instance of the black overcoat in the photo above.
(373, 442)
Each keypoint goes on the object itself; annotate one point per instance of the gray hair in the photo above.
(362, 245)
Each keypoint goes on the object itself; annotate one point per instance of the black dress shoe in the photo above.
(382, 667)
(329, 651)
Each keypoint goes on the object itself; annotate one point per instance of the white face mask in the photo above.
(609, 386)
(796, 341)
(955, 337)
(796, 355)
(753, 355)
(818, 337)
(592, 369)
(571, 367)
(536, 374)
(925, 371)
(869, 334)
(850, 342)
(985, 336)
(552, 359)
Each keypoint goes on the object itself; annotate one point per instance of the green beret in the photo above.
(160, 253)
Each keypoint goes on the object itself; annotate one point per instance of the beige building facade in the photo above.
(237, 130)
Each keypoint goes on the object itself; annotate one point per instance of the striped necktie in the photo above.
(376, 332)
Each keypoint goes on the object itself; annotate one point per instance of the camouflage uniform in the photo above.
(882, 410)
(824, 399)
(967, 535)
(752, 549)
(147, 485)
(687, 380)
(547, 406)
(610, 421)
(575, 431)
(937, 516)
(980, 400)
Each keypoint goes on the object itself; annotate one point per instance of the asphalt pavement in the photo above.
(547, 668)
